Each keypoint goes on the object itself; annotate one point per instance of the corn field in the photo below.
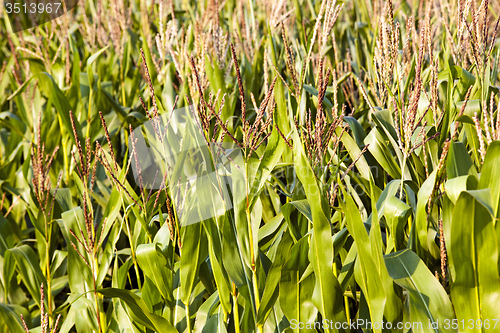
(251, 166)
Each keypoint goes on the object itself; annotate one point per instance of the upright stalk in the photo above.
(402, 176)
(188, 321)
(47, 267)
(236, 315)
(255, 282)
(134, 259)
(98, 314)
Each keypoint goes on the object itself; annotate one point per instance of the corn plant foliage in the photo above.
(342, 167)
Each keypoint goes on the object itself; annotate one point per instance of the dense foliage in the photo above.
(367, 186)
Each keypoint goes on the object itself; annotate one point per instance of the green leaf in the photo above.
(154, 265)
(220, 274)
(28, 267)
(90, 61)
(138, 310)
(366, 272)
(473, 252)
(382, 154)
(216, 78)
(274, 149)
(428, 300)
(57, 97)
(396, 214)
(74, 220)
(293, 224)
(296, 298)
(421, 221)
(203, 313)
(357, 130)
(9, 320)
(271, 290)
(193, 239)
(354, 152)
(63, 197)
(458, 162)
(490, 175)
(281, 118)
(327, 292)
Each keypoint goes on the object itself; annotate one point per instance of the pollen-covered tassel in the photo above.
(479, 132)
(442, 247)
(108, 138)
(242, 97)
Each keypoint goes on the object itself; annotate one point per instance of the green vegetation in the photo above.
(369, 135)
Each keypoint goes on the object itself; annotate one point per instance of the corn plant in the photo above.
(251, 166)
